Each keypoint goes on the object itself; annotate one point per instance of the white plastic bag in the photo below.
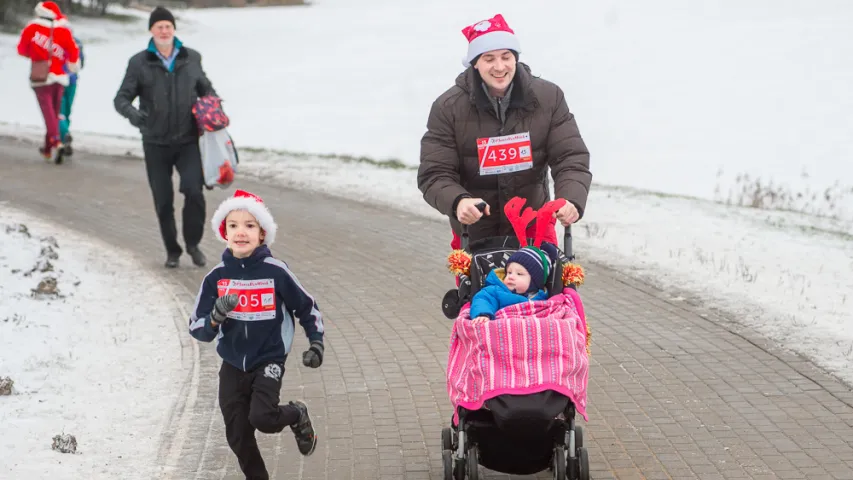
(218, 158)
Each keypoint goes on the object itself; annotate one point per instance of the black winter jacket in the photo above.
(166, 96)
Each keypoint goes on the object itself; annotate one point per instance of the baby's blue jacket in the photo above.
(495, 296)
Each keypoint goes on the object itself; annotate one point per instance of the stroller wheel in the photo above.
(578, 436)
(447, 462)
(446, 439)
(473, 463)
(559, 463)
(450, 304)
(583, 464)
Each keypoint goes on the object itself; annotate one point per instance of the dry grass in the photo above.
(762, 194)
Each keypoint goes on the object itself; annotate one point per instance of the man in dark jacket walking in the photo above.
(168, 79)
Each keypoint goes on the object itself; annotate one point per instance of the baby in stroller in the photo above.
(517, 378)
(523, 280)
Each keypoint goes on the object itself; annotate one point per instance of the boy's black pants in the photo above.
(249, 401)
(160, 163)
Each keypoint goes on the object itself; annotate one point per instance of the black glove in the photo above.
(222, 306)
(138, 120)
(313, 357)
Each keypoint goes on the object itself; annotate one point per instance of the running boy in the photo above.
(246, 303)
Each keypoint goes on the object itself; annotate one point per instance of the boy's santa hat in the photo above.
(488, 35)
(49, 10)
(243, 200)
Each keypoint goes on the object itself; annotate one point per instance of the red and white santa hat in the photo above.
(48, 10)
(243, 200)
(488, 35)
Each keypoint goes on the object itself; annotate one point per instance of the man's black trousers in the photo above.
(250, 401)
(160, 163)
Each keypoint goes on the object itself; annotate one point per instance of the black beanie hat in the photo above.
(159, 14)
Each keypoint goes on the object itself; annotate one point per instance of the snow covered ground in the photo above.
(94, 355)
(743, 102)
(672, 96)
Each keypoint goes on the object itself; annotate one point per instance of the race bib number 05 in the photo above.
(509, 153)
(256, 298)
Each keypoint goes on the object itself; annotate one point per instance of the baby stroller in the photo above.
(513, 434)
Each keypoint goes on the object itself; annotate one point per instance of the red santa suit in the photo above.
(34, 43)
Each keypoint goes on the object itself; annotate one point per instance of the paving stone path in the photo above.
(675, 392)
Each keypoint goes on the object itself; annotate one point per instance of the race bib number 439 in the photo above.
(256, 298)
(509, 153)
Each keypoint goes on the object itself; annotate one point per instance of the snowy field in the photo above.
(736, 100)
(680, 104)
(92, 353)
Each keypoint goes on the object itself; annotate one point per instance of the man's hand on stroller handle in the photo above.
(568, 214)
(469, 210)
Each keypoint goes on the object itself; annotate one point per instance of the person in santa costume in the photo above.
(47, 41)
(248, 303)
(495, 134)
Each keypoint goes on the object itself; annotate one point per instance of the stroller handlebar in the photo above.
(567, 243)
(567, 236)
(482, 208)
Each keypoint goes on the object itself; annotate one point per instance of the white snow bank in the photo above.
(101, 360)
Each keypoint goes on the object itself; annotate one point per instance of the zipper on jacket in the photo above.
(173, 122)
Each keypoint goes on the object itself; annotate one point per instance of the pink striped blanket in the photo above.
(528, 348)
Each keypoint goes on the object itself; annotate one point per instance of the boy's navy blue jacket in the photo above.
(261, 328)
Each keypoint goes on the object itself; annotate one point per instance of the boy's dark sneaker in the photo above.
(198, 258)
(306, 440)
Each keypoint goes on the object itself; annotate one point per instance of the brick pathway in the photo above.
(674, 392)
